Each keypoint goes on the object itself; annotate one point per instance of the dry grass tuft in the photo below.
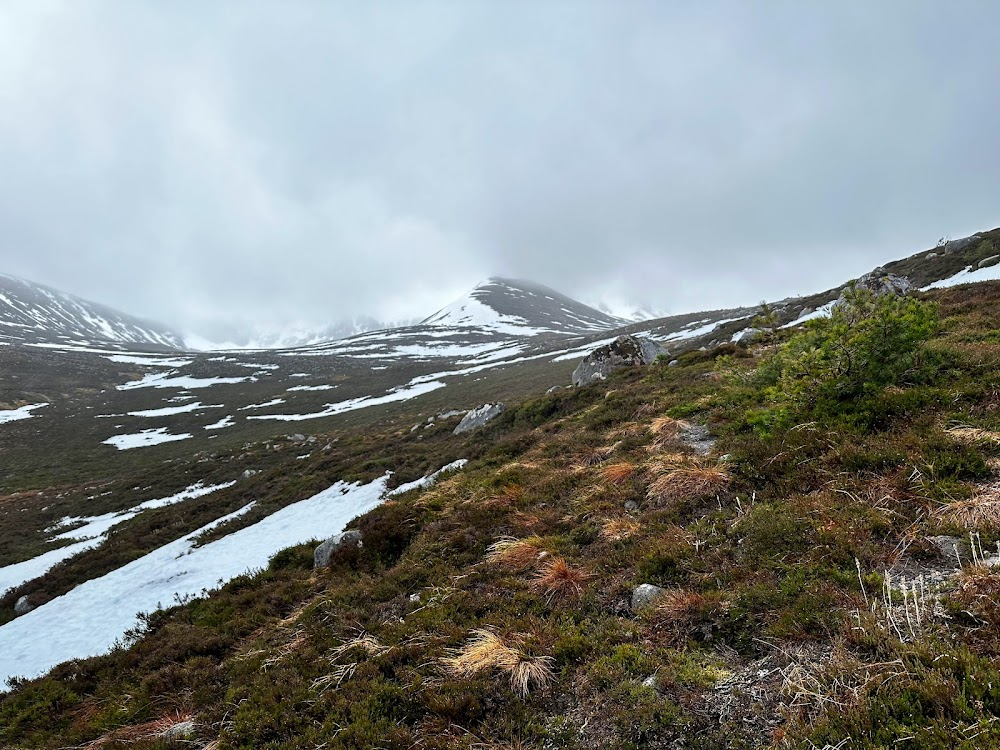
(531, 672)
(666, 427)
(680, 606)
(486, 650)
(362, 642)
(980, 512)
(683, 480)
(618, 473)
(558, 579)
(595, 457)
(616, 529)
(973, 435)
(513, 553)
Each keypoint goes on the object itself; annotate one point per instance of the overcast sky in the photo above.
(265, 162)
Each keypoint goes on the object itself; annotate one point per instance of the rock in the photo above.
(631, 505)
(673, 363)
(322, 554)
(987, 262)
(878, 282)
(957, 246)
(625, 351)
(298, 437)
(451, 413)
(950, 547)
(178, 731)
(414, 598)
(553, 389)
(931, 256)
(249, 473)
(415, 428)
(478, 417)
(697, 437)
(748, 336)
(645, 595)
(652, 683)
(22, 606)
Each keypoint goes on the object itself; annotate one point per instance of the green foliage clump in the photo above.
(842, 362)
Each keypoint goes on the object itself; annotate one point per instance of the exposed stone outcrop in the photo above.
(645, 596)
(957, 246)
(625, 351)
(22, 606)
(323, 553)
(987, 262)
(878, 282)
(478, 417)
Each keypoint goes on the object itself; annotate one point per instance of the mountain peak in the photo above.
(523, 308)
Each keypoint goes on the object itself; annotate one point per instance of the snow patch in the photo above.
(93, 617)
(22, 412)
(144, 439)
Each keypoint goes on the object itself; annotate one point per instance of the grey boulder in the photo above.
(478, 417)
(178, 731)
(957, 246)
(645, 596)
(323, 553)
(878, 282)
(624, 351)
(987, 262)
(22, 606)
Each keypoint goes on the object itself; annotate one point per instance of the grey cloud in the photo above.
(266, 162)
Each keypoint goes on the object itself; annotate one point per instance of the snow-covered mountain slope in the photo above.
(34, 313)
(521, 308)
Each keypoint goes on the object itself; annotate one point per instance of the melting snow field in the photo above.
(131, 359)
(166, 411)
(91, 618)
(968, 275)
(403, 393)
(90, 535)
(819, 312)
(224, 422)
(144, 439)
(174, 380)
(23, 412)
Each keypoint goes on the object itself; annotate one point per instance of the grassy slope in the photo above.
(765, 638)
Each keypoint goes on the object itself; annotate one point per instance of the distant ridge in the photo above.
(39, 314)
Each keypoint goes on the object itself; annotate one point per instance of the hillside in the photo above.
(812, 533)
(36, 314)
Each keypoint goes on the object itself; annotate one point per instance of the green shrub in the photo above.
(868, 343)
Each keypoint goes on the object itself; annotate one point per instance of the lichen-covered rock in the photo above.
(625, 351)
(478, 417)
(987, 262)
(645, 595)
(879, 282)
(323, 553)
(178, 731)
(22, 606)
(697, 437)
